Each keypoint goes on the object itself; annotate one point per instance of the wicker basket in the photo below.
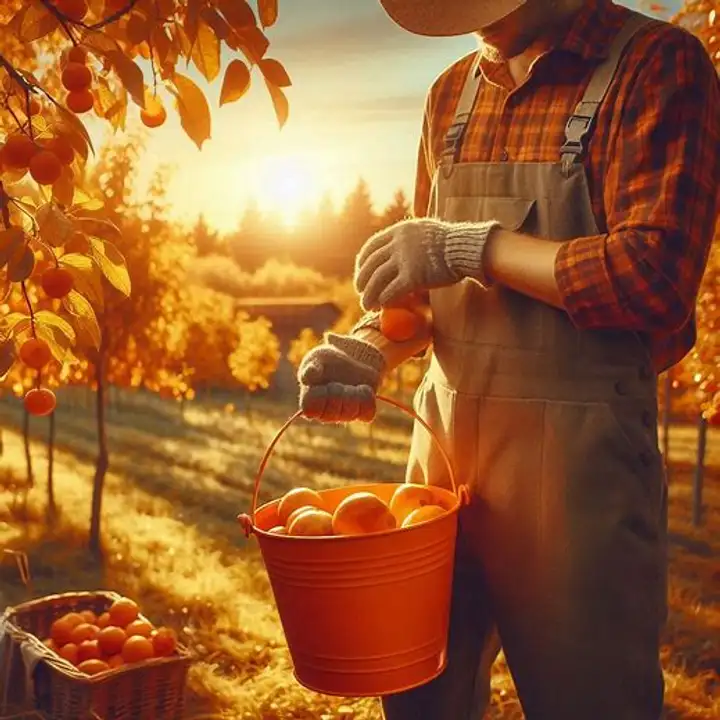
(151, 690)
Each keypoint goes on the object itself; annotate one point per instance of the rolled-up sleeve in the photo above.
(661, 199)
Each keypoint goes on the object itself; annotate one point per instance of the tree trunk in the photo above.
(28, 454)
(51, 507)
(103, 460)
(699, 473)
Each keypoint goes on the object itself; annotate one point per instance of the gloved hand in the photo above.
(339, 379)
(416, 255)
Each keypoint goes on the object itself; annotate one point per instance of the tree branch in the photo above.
(63, 19)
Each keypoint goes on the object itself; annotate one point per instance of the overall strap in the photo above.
(580, 123)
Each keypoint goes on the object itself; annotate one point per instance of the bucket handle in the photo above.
(247, 521)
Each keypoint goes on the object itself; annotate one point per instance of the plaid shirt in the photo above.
(653, 165)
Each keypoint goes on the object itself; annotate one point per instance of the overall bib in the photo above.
(561, 552)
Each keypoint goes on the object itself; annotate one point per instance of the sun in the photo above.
(286, 185)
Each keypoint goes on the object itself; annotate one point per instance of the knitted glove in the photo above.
(416, 255)
(339, 379)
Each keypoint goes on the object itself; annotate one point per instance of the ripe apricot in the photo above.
(153, 114)
(69, 652)
(296, 498)
(35, 353)
(77, 54)
(72, 9)
(45, 167)
(80, 101)
(62, 628)
(57, 282)
(297, 512)
(137, 649)
(164, 641)
(76, 76)
(111, 640)
(63, 148)
(278, 530)
(115, 661)
(311, 522)
(410, 497)
(93, 666)
(139, 627)
(18, 151)
(103, 620)
(83, 631)
(399, 324)
(88, 650)
(362, 512)
(89, 617)
(123, 611)
(40, 402)
(423, 514)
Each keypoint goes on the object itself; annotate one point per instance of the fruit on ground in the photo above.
(80, 101)
(399, 324)
(56, 282)
(360, 513)
(410, 497)
(123, 611)
(295, 499)
(40, 402)
(35, 353)
(311, 522)
(423, 514)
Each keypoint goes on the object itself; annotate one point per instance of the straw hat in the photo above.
(447, 17)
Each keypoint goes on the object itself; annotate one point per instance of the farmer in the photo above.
(566, 197)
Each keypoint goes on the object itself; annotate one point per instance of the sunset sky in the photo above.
(356, 103)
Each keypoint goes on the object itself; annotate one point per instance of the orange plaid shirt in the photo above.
(653, 165)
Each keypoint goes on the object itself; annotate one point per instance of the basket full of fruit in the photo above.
(91, 656)
(362, 577)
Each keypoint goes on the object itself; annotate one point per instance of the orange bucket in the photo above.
(363, 615)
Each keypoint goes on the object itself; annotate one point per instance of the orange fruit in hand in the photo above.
(93, 666)
(79, 101)
(164, 641)
(410, 497)
(18, 151)
(88, 650)
(423, 514)
(69, 652)
(45, 167)
(399, 324)
(83, 631)
(139, 627)
(76, 76)
(311, 522)
(103, 621)
(40, 402)
(72, 9)
(362, 512)
(35, 353)
(122, 612)
(137, 649)
(111, 640)
(56, 282)
(295, 499)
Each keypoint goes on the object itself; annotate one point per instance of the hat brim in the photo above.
(447, 18)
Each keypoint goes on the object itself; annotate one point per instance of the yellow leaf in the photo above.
(268, 10)
(252, 41)
(86, 202)
(193, 109)
(53, 320)
(280, 103)
(15, 322)
(86, 277)
(104, 229)
(54, 226)
(112, 264)
(35, 22)
(76, 131)
(21, 264)
(63, 189)
(236, 82)
(10, 240)
(130, 75)
(83, 315)
(206, 52)
(216, 21)
(58, 343)
(109, 105)
(275, 73)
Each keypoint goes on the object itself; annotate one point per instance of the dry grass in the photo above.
(172, 542)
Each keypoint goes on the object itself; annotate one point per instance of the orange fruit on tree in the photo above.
(83, 631)
(410, 497)
(311, 522)
(80, 101)
(115, 661)
(40, 402)
(423, 514)
(45, 167)
(399, 324)
(18, 151)
(69, 652)
(77, 54)
(103, 620)
(111, 640)
(137, 649)
(89, 650)
(56, 282)
(297, 498)
(123, 611)
(164, 642)
(63, 148)
(153, 114)
(72, 9)
(139, 627)
(33, 106)
(362, 512)
(35, 353)
(76, 76)
(93, 666)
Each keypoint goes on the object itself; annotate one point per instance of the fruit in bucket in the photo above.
(423, 514)
(410, 497)
(360, 513)
(311, 522)
(296, 499)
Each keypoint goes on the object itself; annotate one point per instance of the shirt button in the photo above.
(504, 155)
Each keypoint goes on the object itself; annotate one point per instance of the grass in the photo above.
(172, 542)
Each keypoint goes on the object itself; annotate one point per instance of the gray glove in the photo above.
(417, 255)
(339, 379)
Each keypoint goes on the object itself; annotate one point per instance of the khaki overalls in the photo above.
(561, 553)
